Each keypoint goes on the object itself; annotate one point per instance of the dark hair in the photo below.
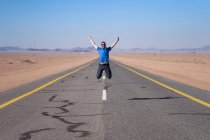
(103, 43)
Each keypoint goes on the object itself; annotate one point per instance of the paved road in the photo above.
(135, 109)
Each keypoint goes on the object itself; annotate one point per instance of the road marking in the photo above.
(104, 77)
(167, 87)
(41, 87)
(104, 94)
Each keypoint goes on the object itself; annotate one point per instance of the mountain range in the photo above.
(75, 49)
(91, 49)
(202, 49)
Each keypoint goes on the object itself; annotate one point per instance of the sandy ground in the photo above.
(19, 68)
(190, 68)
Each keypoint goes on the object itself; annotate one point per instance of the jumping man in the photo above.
(103, 52)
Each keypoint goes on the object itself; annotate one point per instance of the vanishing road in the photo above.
(133, 105)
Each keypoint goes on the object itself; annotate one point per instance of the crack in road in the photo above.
(28, 135)
(72, 127)
(63, 107)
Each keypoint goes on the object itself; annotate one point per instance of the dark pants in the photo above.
(106, 68)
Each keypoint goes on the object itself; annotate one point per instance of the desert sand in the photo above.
(190, 68)
(20, 68)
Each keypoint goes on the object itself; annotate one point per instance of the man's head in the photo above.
(103, 44)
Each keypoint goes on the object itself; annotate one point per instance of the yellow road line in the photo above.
(41, 87)
(167, 87)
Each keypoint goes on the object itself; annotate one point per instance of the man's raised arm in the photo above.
(92, 42)
(112, 46)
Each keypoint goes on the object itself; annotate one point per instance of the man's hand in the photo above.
(89, 37)
(118, 38)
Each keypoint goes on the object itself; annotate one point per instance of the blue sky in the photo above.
(138, 23)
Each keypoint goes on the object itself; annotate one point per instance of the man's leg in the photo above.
(108, 71)
(99, 72)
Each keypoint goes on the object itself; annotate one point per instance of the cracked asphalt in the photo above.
(135, 109)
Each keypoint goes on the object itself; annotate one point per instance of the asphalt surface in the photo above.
(135, 109)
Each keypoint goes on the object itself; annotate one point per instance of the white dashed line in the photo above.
(104, 94)
(104, 77)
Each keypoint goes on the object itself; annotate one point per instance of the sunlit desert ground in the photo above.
(19, 68)
(190, 68)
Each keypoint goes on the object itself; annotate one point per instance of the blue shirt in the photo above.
(103, 54)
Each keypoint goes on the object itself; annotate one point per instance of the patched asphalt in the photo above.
(135, 109)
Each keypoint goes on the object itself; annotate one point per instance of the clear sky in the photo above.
(138, 23)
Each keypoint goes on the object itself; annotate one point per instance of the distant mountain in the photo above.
(92, 49)
(10, 48)
(204, 48)
(80, 49)
(61, 50)
(145, 49)
(75, 49)
(33, 49)
(136, 49)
